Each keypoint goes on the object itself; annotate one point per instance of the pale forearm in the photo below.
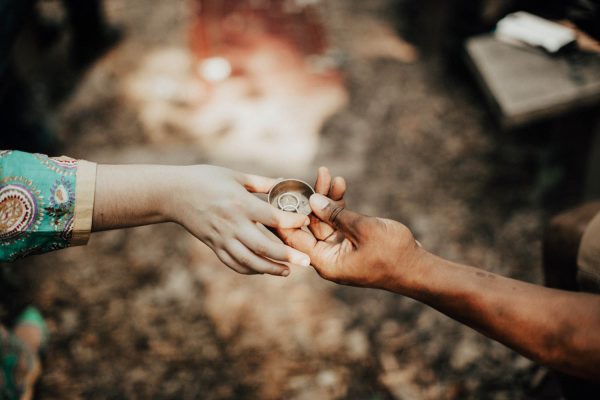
(132, 195)
(214, 204)
(560, 329)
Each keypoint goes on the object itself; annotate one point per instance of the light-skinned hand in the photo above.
(215, 204)
(220, 210)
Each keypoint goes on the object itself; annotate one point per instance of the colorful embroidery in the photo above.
(28, 251)
(37, 203)
(18, 212)
(67, 232)
(61, 201)
(64, 162)
(61, 165)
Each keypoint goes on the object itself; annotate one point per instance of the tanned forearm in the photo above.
(557, 328)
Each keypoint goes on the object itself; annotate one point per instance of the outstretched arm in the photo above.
(214, 204)
(557, 328)
(51, 203)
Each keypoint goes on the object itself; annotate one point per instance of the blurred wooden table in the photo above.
(525, 85)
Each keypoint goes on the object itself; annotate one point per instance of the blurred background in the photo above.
(405, 99)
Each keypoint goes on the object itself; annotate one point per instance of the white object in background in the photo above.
(215, 69)
(535, 31)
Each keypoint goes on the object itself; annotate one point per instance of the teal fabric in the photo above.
(15, 362)
(32, 317)
(37, 203)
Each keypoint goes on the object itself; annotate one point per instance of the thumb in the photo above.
(336, 215)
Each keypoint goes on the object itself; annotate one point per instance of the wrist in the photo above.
(169, 192)
(127, 196)
(409, 271)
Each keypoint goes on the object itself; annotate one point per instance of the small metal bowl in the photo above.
(291, 195)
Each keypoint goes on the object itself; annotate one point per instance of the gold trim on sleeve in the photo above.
(85, 189)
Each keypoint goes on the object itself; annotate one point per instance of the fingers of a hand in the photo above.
(256, 241)
(266, 214)
(284, 219)
(233, 264)
(323, 183)
(256, 183)
(298, 239)
(250, 260)
(319, 229)
(336, 215)
(338, 188)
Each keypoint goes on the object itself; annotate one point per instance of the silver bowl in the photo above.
(291, 195)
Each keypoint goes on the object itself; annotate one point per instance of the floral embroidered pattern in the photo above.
(18, 211)
(37, 203)
(61, 202)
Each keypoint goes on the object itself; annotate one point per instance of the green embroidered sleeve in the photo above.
(38, 203)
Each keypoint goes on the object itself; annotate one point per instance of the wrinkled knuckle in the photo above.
(392, 229)
(288, 240)
(384, 225)
(207, 239)
(221, 254)
(336, 210)
(261, 250)
(294, 242)
(245, 261)
(276, 218)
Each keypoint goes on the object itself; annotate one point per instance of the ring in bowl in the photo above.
(291, 195)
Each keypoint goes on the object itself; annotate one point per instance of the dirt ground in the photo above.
(151, 313)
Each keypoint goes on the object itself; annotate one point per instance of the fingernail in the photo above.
(305, 262)
(320, 201)
(306, 222)
(285, 272)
